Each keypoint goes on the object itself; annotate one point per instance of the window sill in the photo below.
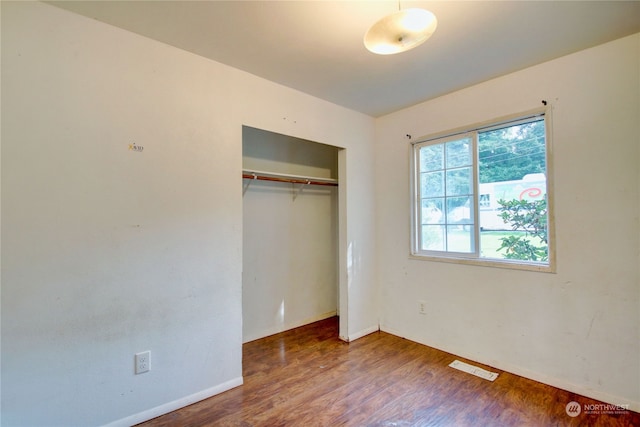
(484, 262)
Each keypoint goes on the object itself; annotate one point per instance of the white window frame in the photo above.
(474, 258)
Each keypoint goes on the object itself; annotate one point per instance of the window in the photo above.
(481, 195)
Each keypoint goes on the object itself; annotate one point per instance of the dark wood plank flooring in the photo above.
(308, 377)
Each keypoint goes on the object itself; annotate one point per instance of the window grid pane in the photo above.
(432, 158)
(459, 181)
(446, 196)
(432, 184)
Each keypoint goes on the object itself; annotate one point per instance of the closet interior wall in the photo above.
(290, 234)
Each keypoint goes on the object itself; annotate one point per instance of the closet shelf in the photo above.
(282, 177)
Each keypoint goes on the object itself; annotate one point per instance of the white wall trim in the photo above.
(364, 332)
(287, 326)
(535, 376)
(176, 404)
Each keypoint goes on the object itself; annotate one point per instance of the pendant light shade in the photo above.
(400, 31)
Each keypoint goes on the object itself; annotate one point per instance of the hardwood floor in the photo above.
(308, 377)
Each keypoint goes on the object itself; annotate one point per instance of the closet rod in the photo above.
(285, 178)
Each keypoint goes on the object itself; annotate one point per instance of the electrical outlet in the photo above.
(143, 362)
(422, 307)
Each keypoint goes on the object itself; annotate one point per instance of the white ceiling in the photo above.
(317, 48)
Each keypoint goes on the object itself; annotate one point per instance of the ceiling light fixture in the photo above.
(400, 31)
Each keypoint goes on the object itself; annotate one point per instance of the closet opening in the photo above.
(291, 232)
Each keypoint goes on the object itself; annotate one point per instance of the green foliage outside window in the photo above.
(512, 152)
(530, 217)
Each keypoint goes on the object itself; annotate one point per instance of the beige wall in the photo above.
(108, 251)
(577, 329)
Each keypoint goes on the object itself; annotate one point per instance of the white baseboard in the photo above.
(536, 376)
(363, 332)
(176, 404)
(566, 385)
(287, 326)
